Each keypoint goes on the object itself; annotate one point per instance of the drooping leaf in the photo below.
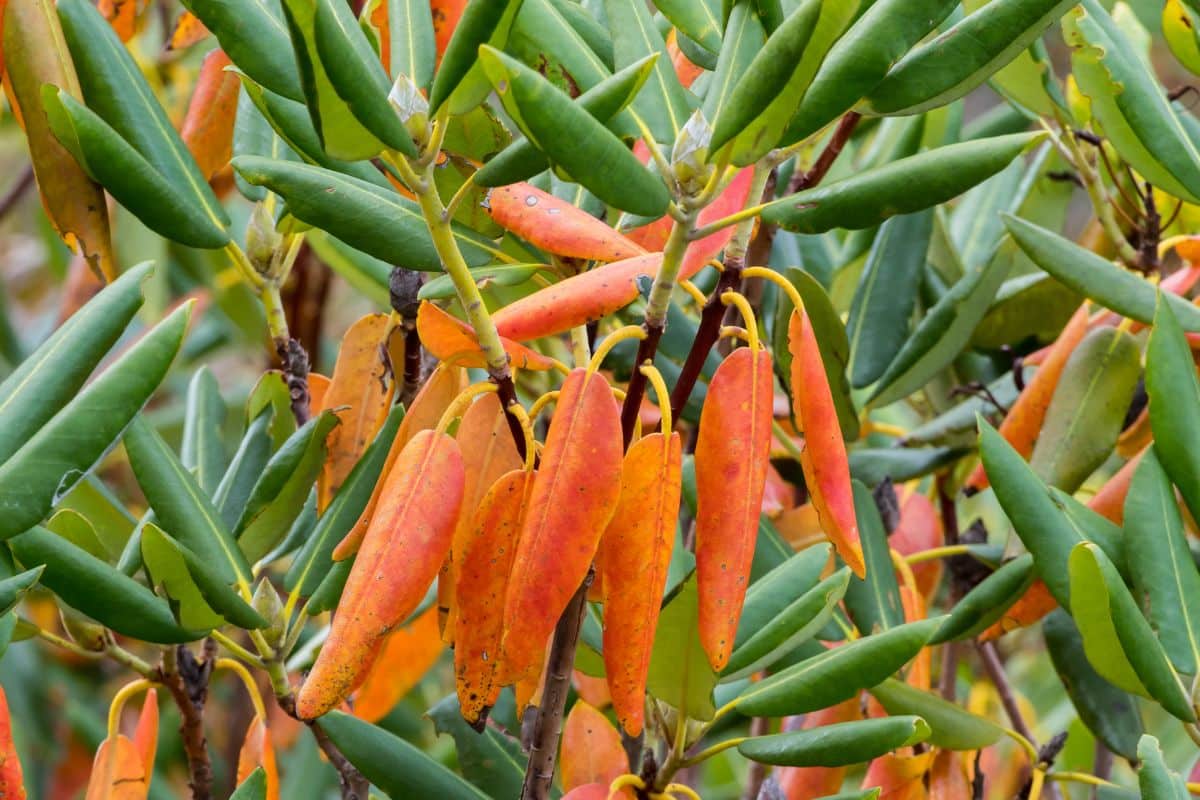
(662, 104)
(951, 727)
(255, 36)
(837, 745)
(1174, 394)
(680, 674)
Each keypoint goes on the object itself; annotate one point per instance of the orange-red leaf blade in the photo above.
(556, 226)
(453, 341)
(12, 783)
(591, 748)
(405, 658)
(208, 127)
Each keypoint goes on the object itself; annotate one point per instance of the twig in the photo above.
(186, 678)
(353, 785)
(21, 185)
(806, 180)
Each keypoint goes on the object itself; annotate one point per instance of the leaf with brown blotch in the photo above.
(118, 772)
(122, 15)
(732, 452)
(208, 127)
(1036, 603)
(12, 783)
(360, 393)
(578, 300)
(407, 539)
(591, 748)
(826, 467)
(35, 54)
(487, 551)
(556, 226)
(574, 496)
(189, 30)
(1023, 422)
(444, 384)
(145, 736)
(404, 659)
(453, 341)
(635, 555)
(259, 751)
(488, 453)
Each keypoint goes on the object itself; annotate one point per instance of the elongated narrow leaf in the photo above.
(475, 27)
(680, 674)
(493, 760)
(255, 36)
(202, 451)
(986, 603)
(1174, 395)
(966, 55)
(216, 592)
(556, 226)
(164, 563)
(207, 129)
(1154, 779)
(744, 37)
(407, 45)
(55, 458)
(662, 104)
(952, 727)
(873, 600)
(837, 745)
(899, 187)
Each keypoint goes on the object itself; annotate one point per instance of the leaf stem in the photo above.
(709, 752)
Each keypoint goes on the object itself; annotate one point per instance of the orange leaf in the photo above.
(453, 341)
(487, 550)
(208, 127)
(556, 226)
(318, 386)
(920, 669)
(379, 23)
(444, 384)
(802, 783)
(1023, 422)
(731, 471)
(1109, 502)
(145, 736)
(189, 30)
(948, 778)
(685, 70)
(446, 14)
(577, 300)
(573, 497)
(122, 15)
(899, 777)
(635, 555)
(12, 784)
(1036, 603)
(920, 529)
(406, 655)
(258, 751)
(118, 772)
(36, 55)
(592, 690)
(588, 791)
(405, 543)
(362, 383)
(826, 468)
(591, 748)
(488, 453)
(1134, 438)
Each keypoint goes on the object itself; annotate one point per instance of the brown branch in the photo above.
(543, 750)
(186, 678)
(806, 180)
(636, 389)
(353, 785)
(294, 362)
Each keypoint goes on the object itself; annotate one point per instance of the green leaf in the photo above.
(1129, 103)
(89, 585)
(391, 763)
(278, 496)
(911, 184)
(1109, 713)
(244, 469)
(943, 333)
(1165, 579)
(314, 560)
(836, 745)
(169, 572)
(1117, 640)
(872, 465)
(367, 274)
(744, 37)
(128, 176)
(253, 788)
(831, 342)
(521, 160)
(952, 727)
(573, 140)
(873, 602)
(410, 34)
(543, 38)
(886, 295)
(202, 451)
(254, 35)
(699, 20)
(1032, 306)
(55, 458)
(14, 588)
(74, 527)
(479, 21)
(492, 760)
(341, 134)
(860, 60)
(1087, 412)
(116, 91)
(506, 275)
(680, 674)
(1095, 277)
(837, 674)
(1154, 779)
(329, 591)
(663, 104)
(949, 425)
(1174, 396)
(770, 90)
(372, 219)
(179, 504)
(951, 65)
(987, 601)
(1179, 25)
(43, 383)
(357, 76)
